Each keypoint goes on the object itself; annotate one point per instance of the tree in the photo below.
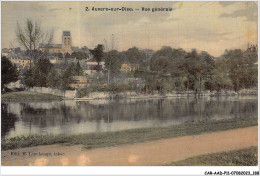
(75, 70)
(78, 70)
(30, 36)
(98, 53)
(29, 77)
(220, 76)
(242, 70)
(113, 61)
(66, 79)
(37, 74)
(80, 55)
(160, 64)
(134, 55)
(53, 79)
(9, 72)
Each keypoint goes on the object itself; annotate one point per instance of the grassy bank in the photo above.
(242, 157)
(105, 139)
(28, 96)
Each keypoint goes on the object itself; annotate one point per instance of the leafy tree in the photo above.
(29, 78)
(98, 53)
(53, 79)
(37, 74)
(242, 71)
(66, 79)
(134, 55)
(113, 61)
(220, 76)
(160, 64)
(9, 72)
(80, 55)
(78, 70)
(198, 68)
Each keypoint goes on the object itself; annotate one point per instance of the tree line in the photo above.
(165, 70)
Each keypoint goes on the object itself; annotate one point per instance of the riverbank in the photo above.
(184, 94)
(241, 157)
(106, 139)
(29, 96)
(48, 94)
(151, 153)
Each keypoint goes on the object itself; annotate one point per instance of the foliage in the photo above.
(37, 74)
(53, 79)
(200, 71)
(78, 71)
(219, 79)
(134, 55)
(165, 70)
(113, 61)
(243, 71)
(98, 53)
(28, 96)
(80, 55)
(9, 72)
(241, 157)
(116, 88)
(43, 74)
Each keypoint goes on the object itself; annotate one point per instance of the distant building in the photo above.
(91, 66)
(21, 62)
(13, 51)
(78, 82)
(128, 67)
(56, 60)
(51, 48)
(65, 47)
(4, 52)
(251, 51)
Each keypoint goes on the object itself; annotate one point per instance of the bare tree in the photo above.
(30, 36)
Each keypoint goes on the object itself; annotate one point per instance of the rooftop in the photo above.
(41, 45)
(66, 33)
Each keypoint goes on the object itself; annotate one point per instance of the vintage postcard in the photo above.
(129, 83)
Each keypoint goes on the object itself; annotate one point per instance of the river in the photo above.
(74, 117)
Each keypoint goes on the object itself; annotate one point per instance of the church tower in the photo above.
(66, 42)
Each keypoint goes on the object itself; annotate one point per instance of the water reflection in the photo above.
(103, 115)
(8, 120)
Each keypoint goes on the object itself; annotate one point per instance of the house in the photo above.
(128, 67)
(78, 82)
(251, 51)
(21, 62)
(91, 66)
(56, 60)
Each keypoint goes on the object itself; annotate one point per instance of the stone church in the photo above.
(65, 47)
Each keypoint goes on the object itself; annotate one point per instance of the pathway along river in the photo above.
(73, 117)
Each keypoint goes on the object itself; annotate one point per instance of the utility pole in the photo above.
(105, 45)
(112, 42)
